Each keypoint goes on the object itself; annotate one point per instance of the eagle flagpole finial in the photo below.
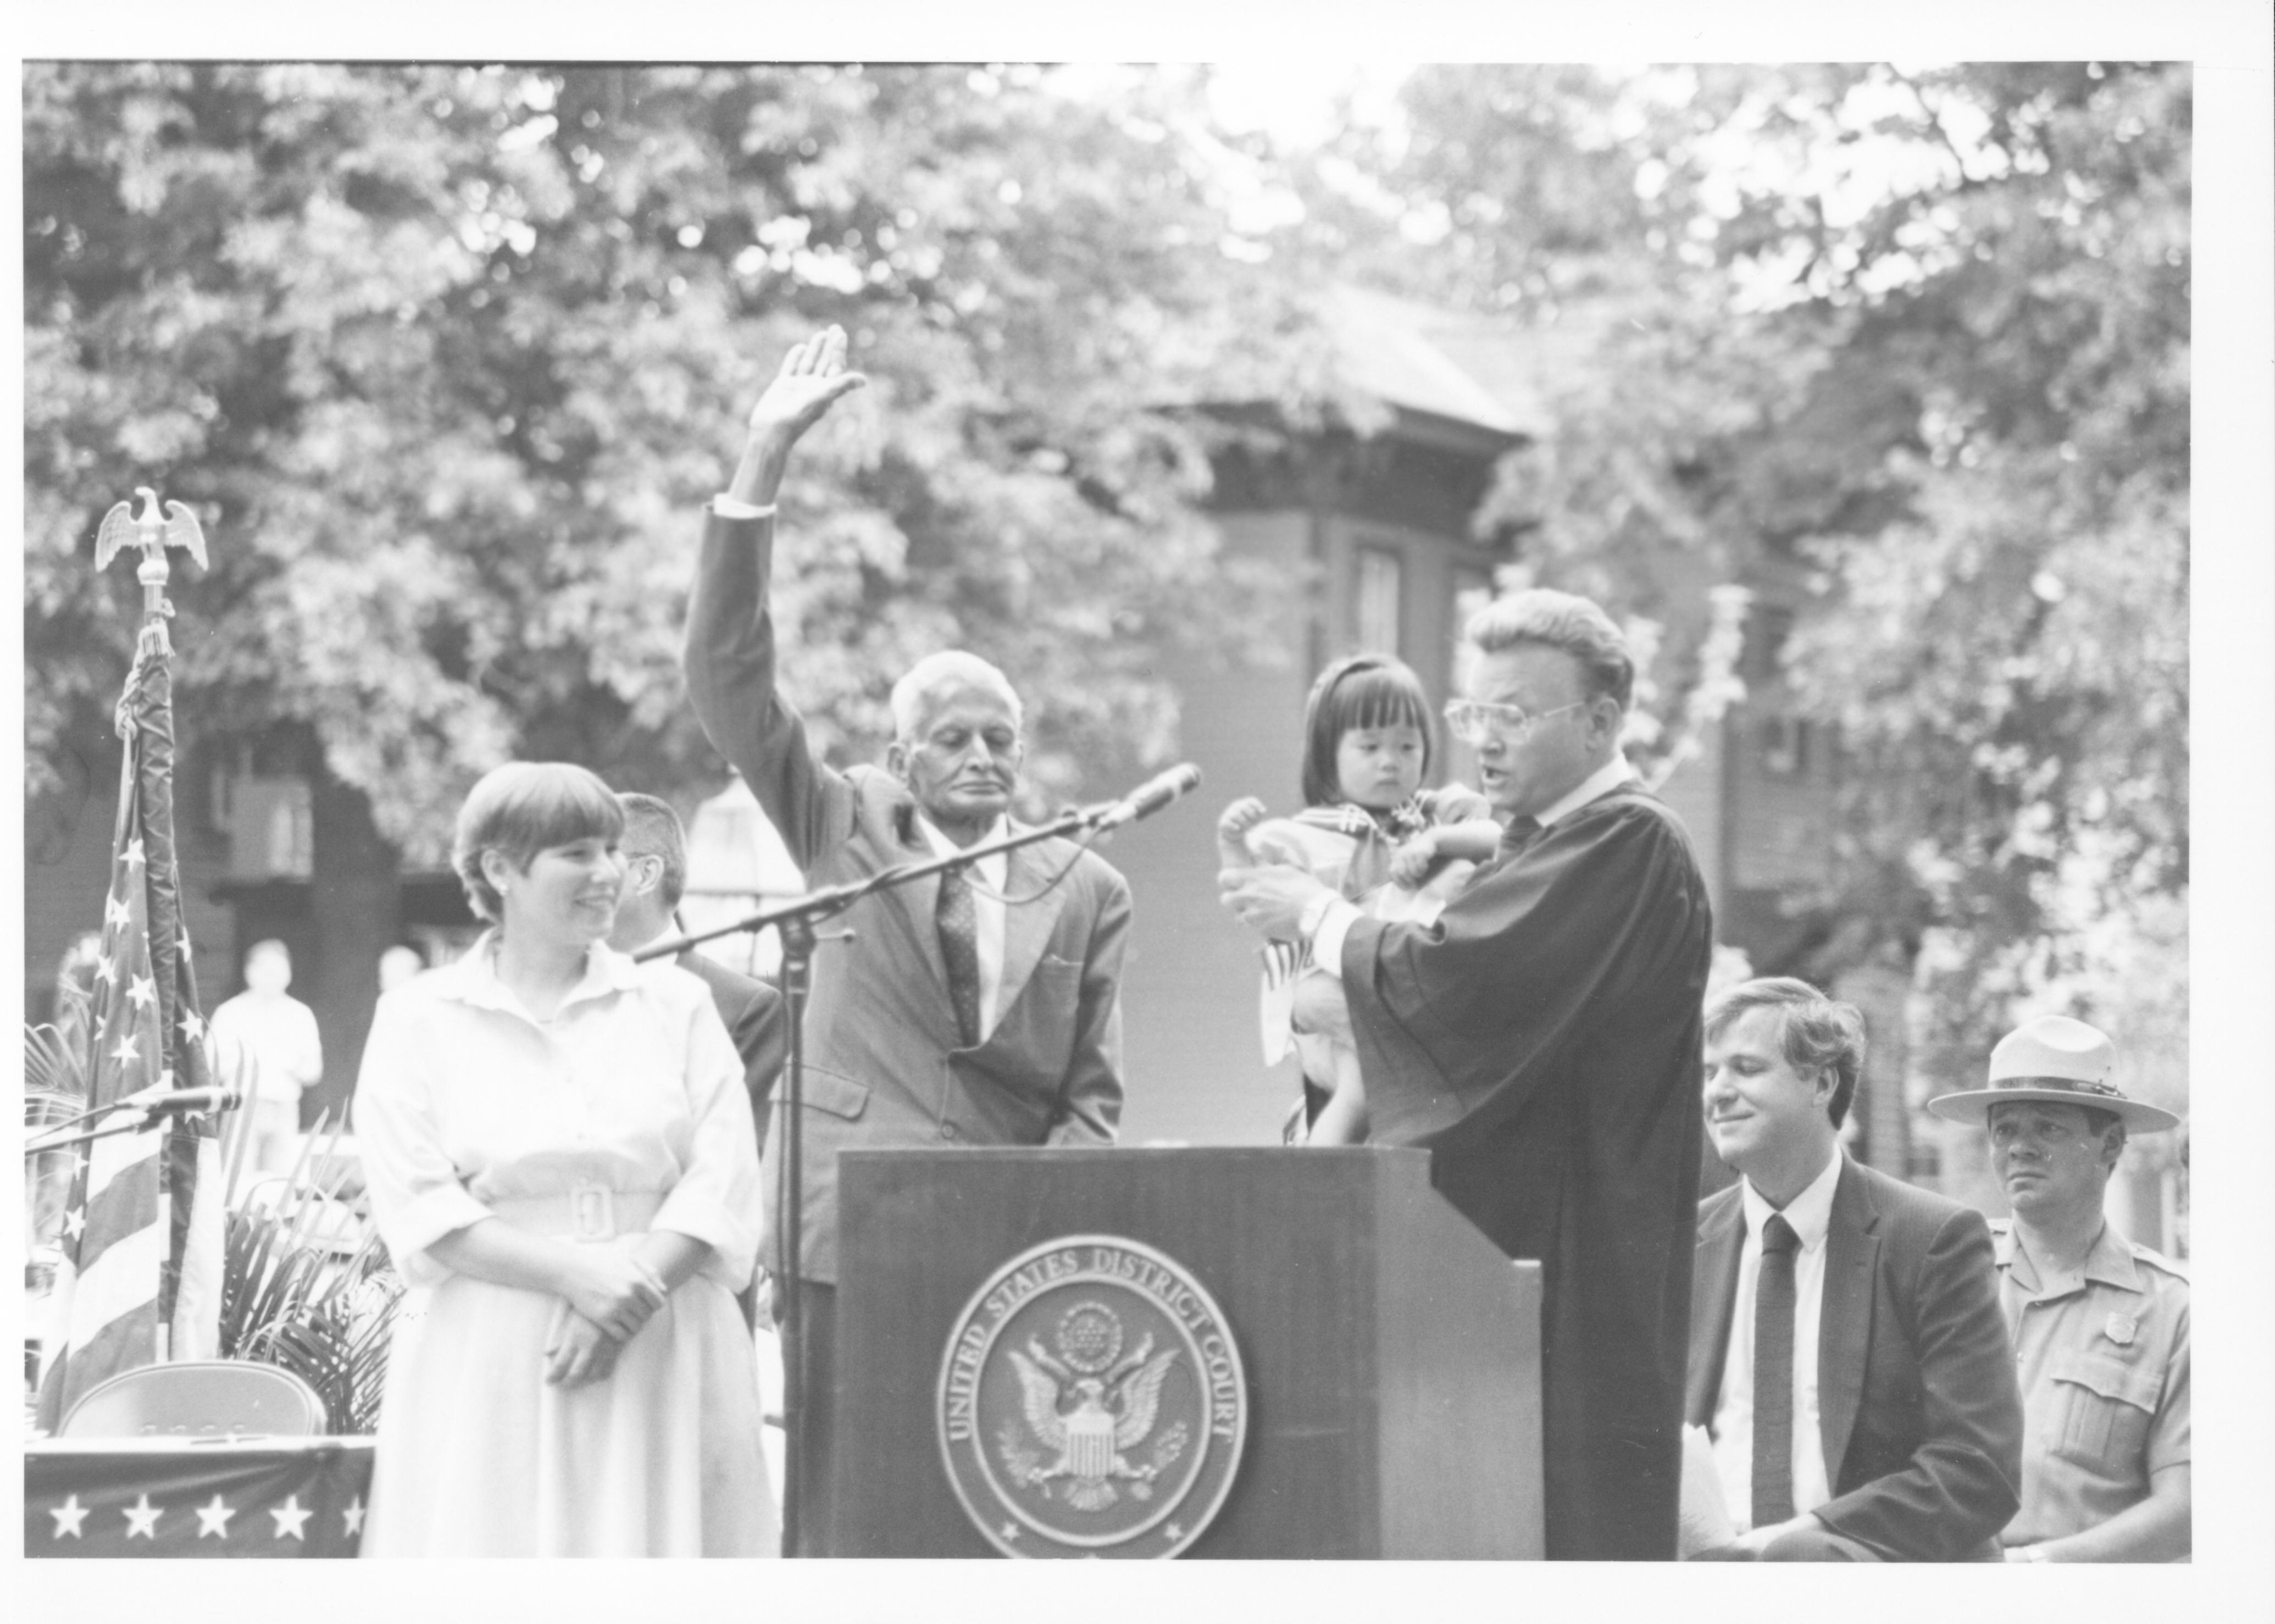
(152, 532)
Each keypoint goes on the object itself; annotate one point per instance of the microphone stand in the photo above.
(795, 920)
(140, 1123)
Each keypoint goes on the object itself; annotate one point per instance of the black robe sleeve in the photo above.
(1464, 1018)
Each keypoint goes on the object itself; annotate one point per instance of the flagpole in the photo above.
(149, 687)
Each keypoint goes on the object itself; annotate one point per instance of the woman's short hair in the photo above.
(1361, 690)
(1816, 1033)
(521, 809)
(1560, 619)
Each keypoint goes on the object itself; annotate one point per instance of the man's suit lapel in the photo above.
(1852, 1252)
(1027, 930)
(1714, 1295)
(897, 841)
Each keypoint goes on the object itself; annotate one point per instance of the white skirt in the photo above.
(479, 1456)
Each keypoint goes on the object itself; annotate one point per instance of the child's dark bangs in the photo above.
(1379, 698)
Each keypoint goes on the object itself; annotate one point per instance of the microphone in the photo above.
(1150, 796)
(156, 1102)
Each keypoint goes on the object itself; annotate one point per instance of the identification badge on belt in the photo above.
(2121, 1329)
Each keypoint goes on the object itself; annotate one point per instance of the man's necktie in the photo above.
(959, 946)
(1773, 1374)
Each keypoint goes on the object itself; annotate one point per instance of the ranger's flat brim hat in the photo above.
(2055, 1061)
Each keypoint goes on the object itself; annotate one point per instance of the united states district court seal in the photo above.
(1092, 1403)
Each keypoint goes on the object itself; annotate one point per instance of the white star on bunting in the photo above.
(74, 1221)
(132, 855)
(68, 1516)
(353, 1517)
(214, 1519)
(115, 912)
(142, 1518)
(193, 1028)
(143, 991)
(290, 1516)
(125, 1050)
(104, 969)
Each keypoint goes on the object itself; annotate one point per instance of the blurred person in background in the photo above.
(398, 965)
(2099, 1324)
(276, 1033)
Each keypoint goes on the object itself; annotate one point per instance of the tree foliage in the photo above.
(449, 358)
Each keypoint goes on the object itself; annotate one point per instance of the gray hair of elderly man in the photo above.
(944, 673)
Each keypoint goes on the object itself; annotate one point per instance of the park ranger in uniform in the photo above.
(2099, 1325)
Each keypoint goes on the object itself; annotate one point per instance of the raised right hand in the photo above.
(613, 1290)
(812, 378)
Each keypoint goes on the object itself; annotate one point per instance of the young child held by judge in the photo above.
(1370, 830)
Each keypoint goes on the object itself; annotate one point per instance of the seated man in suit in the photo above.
(2100, 1324)
(978, 1006)
(654, 850)
(1848, 1356)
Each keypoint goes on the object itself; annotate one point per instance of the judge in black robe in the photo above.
(1542, 1039)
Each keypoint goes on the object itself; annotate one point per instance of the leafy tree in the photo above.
(449, 358)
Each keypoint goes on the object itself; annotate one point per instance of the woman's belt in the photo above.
(594, 1213)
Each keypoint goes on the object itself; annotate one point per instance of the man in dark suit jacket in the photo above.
(947, 1016)
(1541, 1041)
(1848, 1356)
(654, 849)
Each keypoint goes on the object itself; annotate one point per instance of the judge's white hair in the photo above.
(937, 676)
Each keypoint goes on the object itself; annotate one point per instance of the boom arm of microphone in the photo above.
(1152, 796)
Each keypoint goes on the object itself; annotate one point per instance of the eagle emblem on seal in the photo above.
(1090, 1408)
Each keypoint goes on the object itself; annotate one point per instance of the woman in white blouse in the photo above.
(560, 1154)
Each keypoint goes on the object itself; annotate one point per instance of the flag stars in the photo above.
(74, 1221)
(290, 1516)
(68, 1516)
(193, 1028)
(133, 856)
(125, 1049)
(143, 993)
(214, 1519)
(142, 1519)
(115, 912)
(352, 1517)
(105, 970)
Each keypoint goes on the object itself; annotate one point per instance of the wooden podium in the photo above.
(1389, 1355)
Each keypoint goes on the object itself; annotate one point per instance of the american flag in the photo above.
(141, 1279)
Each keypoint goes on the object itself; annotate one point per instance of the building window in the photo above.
(1785, 746)
(271, 826)
(1473, 589)
(1375, 603)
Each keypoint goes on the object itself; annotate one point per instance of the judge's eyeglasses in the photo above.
(1474, 721)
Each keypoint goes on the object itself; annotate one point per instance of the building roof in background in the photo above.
(1477, 370)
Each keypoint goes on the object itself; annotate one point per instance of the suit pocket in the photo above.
(826, 1091)
(2107, 1406)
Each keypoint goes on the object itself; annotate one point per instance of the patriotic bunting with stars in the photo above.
(260, 1500)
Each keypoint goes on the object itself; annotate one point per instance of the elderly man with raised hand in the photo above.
(1541, 1041)
(1847, 1357)
(2100, 1324)
(968, 1009)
